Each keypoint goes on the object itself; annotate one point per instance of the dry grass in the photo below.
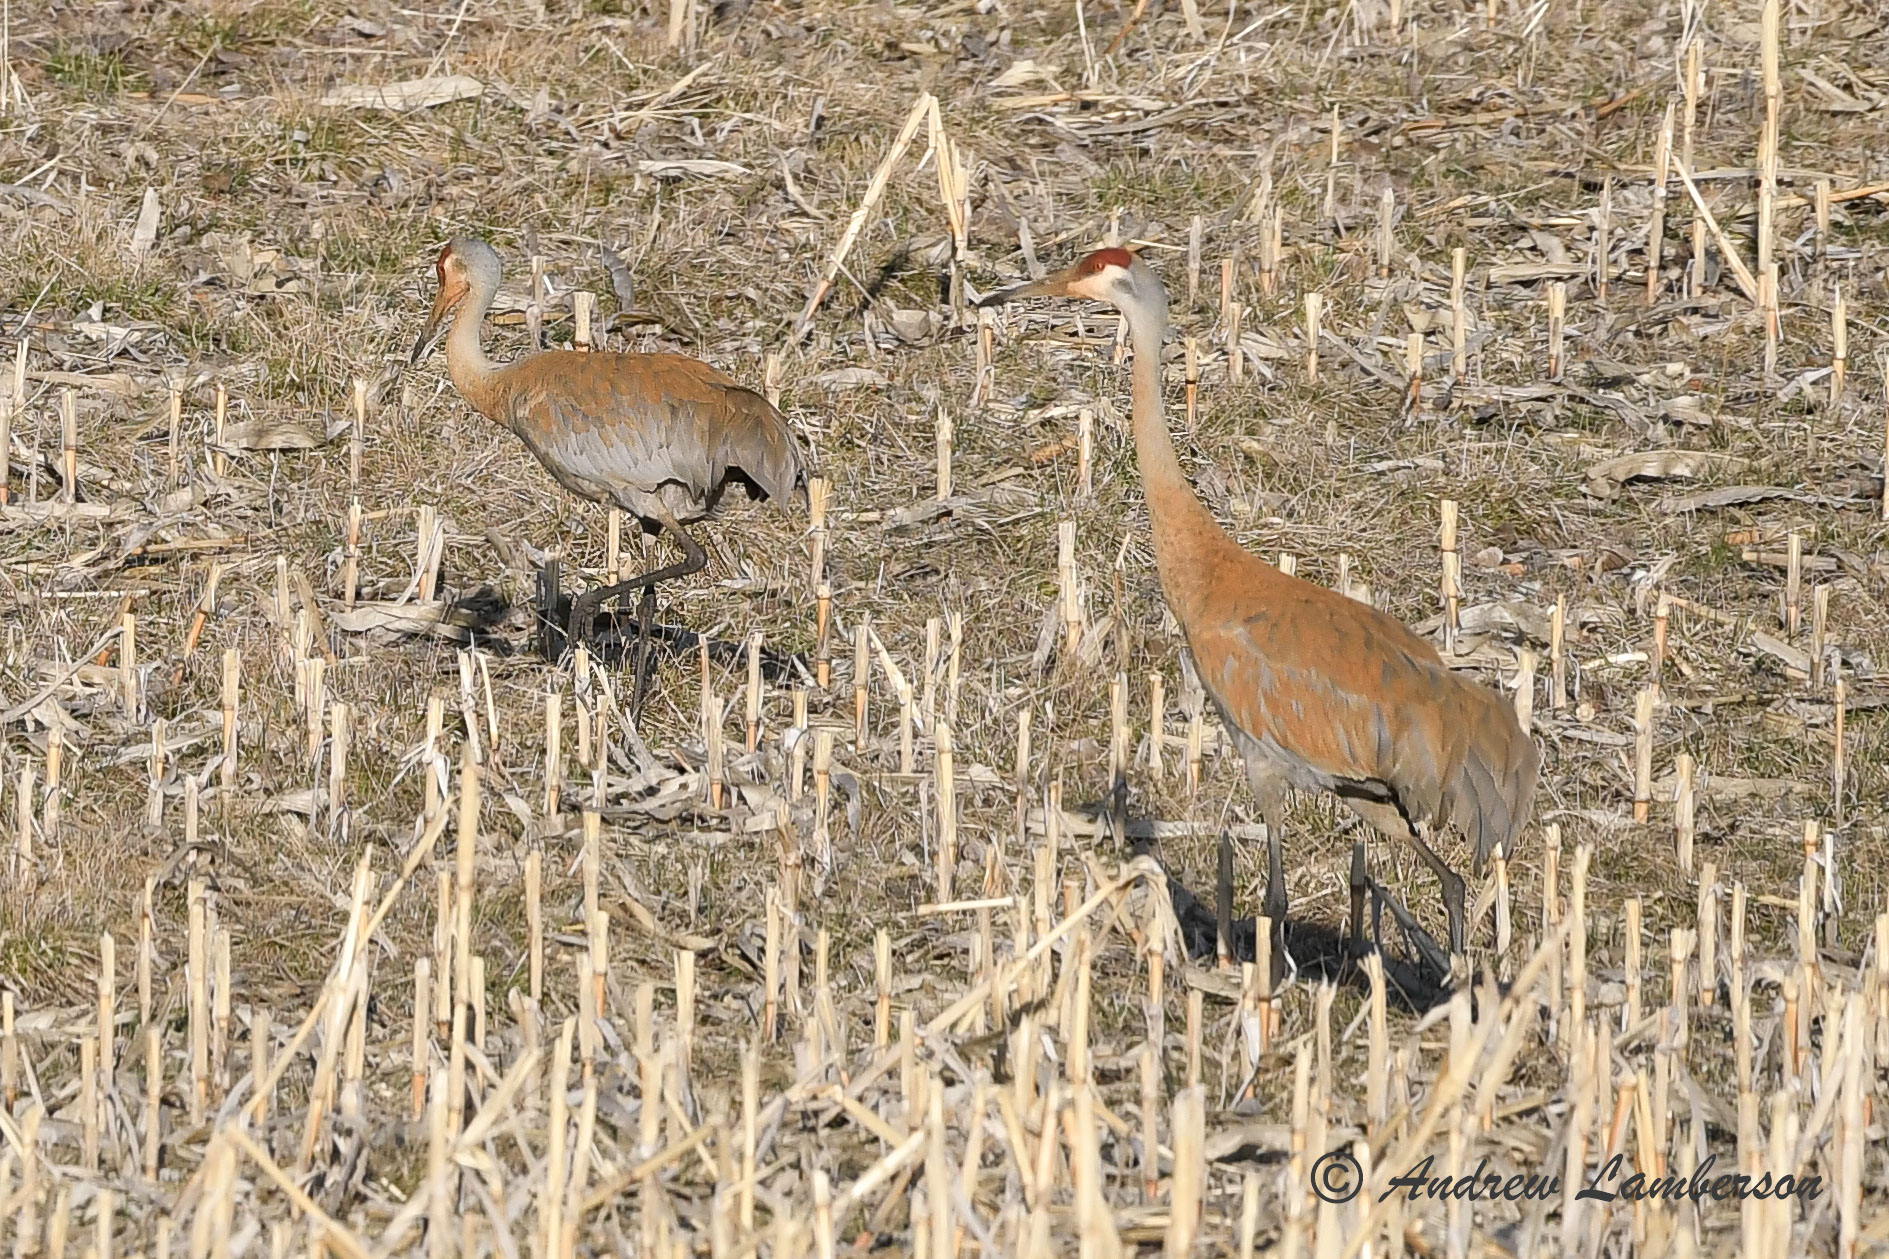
(292, 256)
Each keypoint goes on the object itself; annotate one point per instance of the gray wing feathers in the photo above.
(1489, 796)
(760, 443)
(618, 427)
(609, 457)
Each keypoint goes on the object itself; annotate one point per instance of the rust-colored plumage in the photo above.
(654, 434)
(1319, 691)
(661, 436)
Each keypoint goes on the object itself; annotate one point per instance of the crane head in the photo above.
(1107, 275)
(464, 265)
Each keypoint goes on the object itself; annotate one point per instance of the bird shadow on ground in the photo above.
(1317, 951)
(612, 638)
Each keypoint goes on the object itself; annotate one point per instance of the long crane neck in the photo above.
(1187, 539)
(474, 375)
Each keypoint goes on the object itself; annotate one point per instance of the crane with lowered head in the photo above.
(1318, 691)
(661, 436)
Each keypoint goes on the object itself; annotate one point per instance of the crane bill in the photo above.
(436, 324)
(429, 340)
(1071, 281)
(1049, 286)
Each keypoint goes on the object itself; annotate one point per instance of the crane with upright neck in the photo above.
(1318, 691)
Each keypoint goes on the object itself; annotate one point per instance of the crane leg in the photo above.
(1271, 791)
(1387, 821)
(1428, 951)
(645, 613)
(549, 580)
(1274, 905)
(1360, 883)
(1223, 904)
(1453, 890)
(584, 610)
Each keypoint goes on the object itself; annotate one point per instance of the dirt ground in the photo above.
(193, 202)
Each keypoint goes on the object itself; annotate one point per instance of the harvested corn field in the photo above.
(347, 909)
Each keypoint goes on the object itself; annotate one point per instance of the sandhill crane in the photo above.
(1318, 690)
(659, 435)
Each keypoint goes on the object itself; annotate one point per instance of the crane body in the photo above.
(1318, 691)
(661, 436)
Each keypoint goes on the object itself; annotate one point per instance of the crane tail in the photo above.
(761, 443)
(1490, 795)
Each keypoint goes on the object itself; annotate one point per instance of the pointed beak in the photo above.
(1058, 284)
(436, 324)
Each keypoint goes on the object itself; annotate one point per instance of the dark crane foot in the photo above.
(583, 618)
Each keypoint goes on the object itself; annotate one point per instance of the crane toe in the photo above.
(583, 617)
